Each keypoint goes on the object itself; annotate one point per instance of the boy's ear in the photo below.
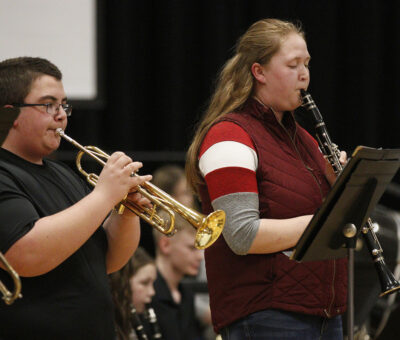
(164, 244)
(8, 118)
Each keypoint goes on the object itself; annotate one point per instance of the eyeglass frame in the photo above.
(66, 107)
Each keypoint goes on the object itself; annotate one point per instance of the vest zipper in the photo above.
(327, 312)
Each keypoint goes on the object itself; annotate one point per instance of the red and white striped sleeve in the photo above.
(228, 160)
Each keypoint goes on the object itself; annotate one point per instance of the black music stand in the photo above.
(332, 232)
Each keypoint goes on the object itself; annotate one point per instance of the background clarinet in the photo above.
(138, 325)
(150, 315)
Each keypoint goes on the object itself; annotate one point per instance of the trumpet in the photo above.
(209, 228)
(9, 297)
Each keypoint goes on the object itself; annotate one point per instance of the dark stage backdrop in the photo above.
(159, 59)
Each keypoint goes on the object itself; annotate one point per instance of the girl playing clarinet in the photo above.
(132, 289)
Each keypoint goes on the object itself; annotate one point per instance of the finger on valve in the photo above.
(343, 157)
(138, 180)
(140, 200)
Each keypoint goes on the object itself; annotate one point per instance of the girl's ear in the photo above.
(258, 72)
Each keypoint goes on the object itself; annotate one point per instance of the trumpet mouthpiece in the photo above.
(59, 132)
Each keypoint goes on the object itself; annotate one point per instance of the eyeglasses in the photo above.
(51, 108)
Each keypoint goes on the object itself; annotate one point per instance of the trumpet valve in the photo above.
(119, 208)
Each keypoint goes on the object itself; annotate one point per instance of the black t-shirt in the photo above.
(176, 321)
(73, 301)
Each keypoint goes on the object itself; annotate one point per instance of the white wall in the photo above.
(62, 31)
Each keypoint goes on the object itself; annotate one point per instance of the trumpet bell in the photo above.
(210, 229)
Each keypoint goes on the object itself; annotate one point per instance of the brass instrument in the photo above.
(388, 282)
(9, 297)
(209, 228)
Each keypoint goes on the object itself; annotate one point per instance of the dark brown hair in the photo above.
(121, 291)
(167, 177)
(18, 74)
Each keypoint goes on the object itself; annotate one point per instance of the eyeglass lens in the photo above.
(55, 108)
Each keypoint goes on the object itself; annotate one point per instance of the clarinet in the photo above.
(137, 325)
(387, 280)
(152, 318)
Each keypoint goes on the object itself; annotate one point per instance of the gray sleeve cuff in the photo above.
(242, 220)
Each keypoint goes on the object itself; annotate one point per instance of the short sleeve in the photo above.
(17, 213)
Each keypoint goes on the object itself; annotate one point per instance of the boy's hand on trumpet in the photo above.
(117, 178)
(140, 200)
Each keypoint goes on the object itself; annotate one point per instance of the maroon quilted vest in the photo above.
(291, 183)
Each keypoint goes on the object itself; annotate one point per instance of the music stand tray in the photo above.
(352, 198)
(346, 209)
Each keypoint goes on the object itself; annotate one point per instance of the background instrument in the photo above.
(10, 297)
(209, 228)
(150, 318)
(137, 325)
(387, 280)
(150, 315)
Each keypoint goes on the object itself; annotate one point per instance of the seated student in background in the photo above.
(132, 290)
(172, 179)
(173, 303)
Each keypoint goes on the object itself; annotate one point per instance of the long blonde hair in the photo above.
(235, 81)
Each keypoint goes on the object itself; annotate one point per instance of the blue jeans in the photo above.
(281, 325)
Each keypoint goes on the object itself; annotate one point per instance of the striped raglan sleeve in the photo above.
(228, 162)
